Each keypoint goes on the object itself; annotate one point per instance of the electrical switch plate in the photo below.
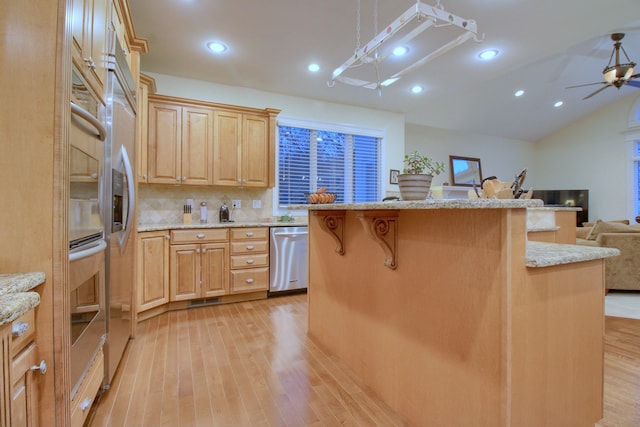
(236, 204)
(257, 204)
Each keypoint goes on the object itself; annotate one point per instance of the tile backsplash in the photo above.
(163, 204)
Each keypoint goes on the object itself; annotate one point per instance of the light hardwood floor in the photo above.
(251, 364)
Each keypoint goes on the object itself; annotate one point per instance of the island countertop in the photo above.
(427, 204)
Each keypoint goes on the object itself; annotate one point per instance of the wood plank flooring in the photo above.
(251, 364)
(242, 364)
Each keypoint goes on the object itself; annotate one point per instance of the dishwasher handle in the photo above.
(293, 234)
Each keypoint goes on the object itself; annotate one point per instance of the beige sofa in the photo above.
(621, 272)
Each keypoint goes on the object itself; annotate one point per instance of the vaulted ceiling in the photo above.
(544, 46)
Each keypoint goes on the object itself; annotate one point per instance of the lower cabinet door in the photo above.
(184, 267)
(24, 393)
(215, 280)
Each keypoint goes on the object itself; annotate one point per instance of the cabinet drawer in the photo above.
(200, 235)
(82, 401)
(255, 279)
(249, 247)
(249, 233)
(22, 331)
(249, 261)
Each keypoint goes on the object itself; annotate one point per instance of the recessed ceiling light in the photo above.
(558, 104)
(314, 68)
(217, 47)
(417, 89)
(489, 54)
(400, 50)
(519, 92)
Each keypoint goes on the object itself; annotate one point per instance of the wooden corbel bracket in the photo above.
(382, 226)
(333, 223)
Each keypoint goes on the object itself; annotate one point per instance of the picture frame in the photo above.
(465, 171)
(393, 176)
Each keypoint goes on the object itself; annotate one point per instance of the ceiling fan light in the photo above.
(610, 74)
(629, 71)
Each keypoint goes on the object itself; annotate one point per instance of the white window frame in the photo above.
(632, 137)
(331, 127)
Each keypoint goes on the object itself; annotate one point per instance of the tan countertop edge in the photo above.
(16, 297)
(540, 254)
(428, 204)
(298, 222)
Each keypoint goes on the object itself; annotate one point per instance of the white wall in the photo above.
(293, 107)
(591, 153)
(500, 157)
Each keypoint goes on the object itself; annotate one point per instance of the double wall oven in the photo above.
(87, 244)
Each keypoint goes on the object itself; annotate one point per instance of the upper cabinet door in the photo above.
(227, 155)
(164, 148)
(89, 53)
(197, 145)
(255, 151)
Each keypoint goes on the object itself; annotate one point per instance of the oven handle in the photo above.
(100, 247)
(79, 111)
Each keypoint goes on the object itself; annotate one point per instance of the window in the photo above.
(636, 178)
(344, 163)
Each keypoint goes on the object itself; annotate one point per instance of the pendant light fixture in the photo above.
(412, 22)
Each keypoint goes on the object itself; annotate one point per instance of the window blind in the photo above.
(347, 165)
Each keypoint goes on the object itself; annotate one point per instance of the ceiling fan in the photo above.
(617, 74)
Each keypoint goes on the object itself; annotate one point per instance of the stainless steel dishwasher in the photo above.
(288, 260)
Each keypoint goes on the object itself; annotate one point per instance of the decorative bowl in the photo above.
(317, 198)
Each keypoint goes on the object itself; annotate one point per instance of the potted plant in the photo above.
(415, 179)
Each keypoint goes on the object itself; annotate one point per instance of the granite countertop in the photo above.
(428, 204)
(16, 297)
(540, 254)
(298, 222)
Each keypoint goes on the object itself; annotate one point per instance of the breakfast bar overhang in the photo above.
(448, 313)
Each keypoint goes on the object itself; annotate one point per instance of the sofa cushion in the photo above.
(582, 232)
(621, 221)
(611, 227)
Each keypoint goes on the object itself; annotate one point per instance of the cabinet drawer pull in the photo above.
(86, 404)
(42, 367)
(250, 248)
(200, 236)
(250, 234)
(18, 329)
(204, 250)
(198, 250)
(249, 280)
(250, 261)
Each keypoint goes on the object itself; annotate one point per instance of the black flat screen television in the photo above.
(566, 198)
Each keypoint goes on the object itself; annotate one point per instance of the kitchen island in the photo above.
(448, 313)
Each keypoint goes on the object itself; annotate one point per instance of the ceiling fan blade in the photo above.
(596, 92)
(588, 84)
(633, 83)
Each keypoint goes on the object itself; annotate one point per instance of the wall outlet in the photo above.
(257, 204)
(236, 204)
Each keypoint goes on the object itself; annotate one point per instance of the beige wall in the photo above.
(293, 107)
(591, 153)
(500, 157)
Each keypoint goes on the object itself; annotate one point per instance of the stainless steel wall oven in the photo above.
(87, 244)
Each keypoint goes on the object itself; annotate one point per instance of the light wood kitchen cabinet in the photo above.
(180, 148)
(249, 269)
(198, 264)
(146, 86)
(20, 373)
(153, 269)
(89, 48)
(241, 149)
